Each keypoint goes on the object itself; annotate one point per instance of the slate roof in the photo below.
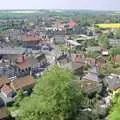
(113, 82)
(93, 75)
(89, 86)
(59, 39)
(9, 50)
(76, 66)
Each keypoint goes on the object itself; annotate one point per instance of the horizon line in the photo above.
(62, 9)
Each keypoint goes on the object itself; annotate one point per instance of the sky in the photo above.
(61, 4)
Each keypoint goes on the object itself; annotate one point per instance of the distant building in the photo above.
(59, 39)
(12, 51)
(114, 42)
(72, 24)
(93, 75)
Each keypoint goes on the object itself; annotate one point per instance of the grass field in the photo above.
(109, 25)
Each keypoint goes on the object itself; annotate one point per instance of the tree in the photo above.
(115, 51)
(92, 54)
(104, 41)
(115, 110)
(53, 98)
(92, 42)
(19, 98)
(117, 34)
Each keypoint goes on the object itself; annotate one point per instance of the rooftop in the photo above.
(6, 89)
(3, 113)
(9, 50)
(3, 80)
(113, 81)
(73, 43)
(23, 82)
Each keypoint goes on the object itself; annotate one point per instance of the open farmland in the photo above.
(109, 26)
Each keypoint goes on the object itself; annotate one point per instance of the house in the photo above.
(89, 87)
(116, 58)
(78, 58)
(72, 43)
(3, 80)
(104, 52)
(77, 67)
(77, 63)
(90, 61)
(15, 34)
(63, 59)
(12, 51)
(4, 114)
(92, 75)
(33, 38)
(23, 83)
(22, 63)
(72, 24)
(6, 91)
(112, 82)
(59, 39)
(100, 61)
(114, 42)
(25, 64)
(3, 65)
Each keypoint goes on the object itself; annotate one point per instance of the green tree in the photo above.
(54, 98)
(115, 110)
(117, 34)
(115, 51)
(19, 98)
(92, 54)
(103, 40)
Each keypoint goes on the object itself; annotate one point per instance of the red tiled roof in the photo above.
(3, 80)
(22, 62)
(72, 24)
(24, 82)
(23, 65)
(6, 89)
(28, 38)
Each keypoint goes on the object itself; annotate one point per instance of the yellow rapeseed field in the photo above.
(109, 25)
